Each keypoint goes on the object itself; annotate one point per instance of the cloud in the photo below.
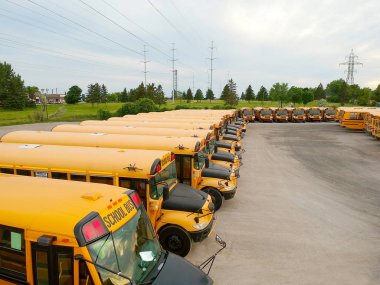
(258, 42)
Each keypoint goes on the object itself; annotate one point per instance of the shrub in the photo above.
(104, 114)
(146, 105)
(127, 109)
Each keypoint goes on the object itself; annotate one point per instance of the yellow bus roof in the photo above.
(143, 119)
(75, 159)
(177, 145)
(189, 126)
(133, 131)
(51, 206)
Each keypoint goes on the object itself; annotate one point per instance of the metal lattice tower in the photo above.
(145, 62)
(174, 71)
(212, 58)
(351, 67)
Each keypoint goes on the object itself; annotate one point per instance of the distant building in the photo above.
(52, 98)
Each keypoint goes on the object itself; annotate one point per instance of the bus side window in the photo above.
(6, 170)
(59, 175)
(135, 184)
(23, 172)
(78, 177)
(101, 179)
(84, 274)
(12, 254)
(65, 268)
(187, 170)
(353, 116)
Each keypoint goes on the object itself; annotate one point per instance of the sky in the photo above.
(56, 44)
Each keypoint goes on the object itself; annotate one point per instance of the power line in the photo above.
(123, 28)
(84, 27)
(133, 22)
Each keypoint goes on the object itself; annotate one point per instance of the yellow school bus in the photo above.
(353, 119)
(72, 233)
(266, 115)
(329, 114)
(314, 114)
(189, 126)
(376, 125)
(281, 115)
(190, 155)
(248, 113)
(185, 214)
(231, 146)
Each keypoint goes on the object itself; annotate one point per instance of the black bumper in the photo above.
(202, 234)
(228, 194)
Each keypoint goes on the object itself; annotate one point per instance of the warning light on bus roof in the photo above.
(93, 229)
(135, 199)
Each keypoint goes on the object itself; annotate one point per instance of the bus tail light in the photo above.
(135, 199)
(158, 168)
(93, 229)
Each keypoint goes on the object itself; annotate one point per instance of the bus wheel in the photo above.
(217, 198)
(176, 240)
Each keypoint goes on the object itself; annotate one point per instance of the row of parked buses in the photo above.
(360, 118)
(118, 201)
(273, 114)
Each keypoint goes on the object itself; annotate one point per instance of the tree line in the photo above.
(15, 95)
(337, 91)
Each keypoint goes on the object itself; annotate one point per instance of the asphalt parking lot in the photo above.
(307, 209)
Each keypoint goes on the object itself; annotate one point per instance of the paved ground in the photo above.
(34, 127)
(307, 210)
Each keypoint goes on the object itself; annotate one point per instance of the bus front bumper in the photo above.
(229, 194)
(202, 234)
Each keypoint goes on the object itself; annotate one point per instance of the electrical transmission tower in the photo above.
(145, 62)
(174, 72)
(351, 66)
(212, 58)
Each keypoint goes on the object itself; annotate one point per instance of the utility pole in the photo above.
(174, 72)
(212, 58)
(351, 66)
(145, 62)
(193, 85)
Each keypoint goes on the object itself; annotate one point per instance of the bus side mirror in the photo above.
(165, 193)
(207, 163)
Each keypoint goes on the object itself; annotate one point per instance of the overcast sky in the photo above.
(57, 44)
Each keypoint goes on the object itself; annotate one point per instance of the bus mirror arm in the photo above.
(80, 257)
(165, 193)
(210, 261)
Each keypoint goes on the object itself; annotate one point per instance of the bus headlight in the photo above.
(229, 188)
(200, 226)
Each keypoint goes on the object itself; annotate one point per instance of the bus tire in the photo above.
(216, 197)
(175, 239)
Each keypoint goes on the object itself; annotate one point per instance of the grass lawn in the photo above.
(85, 111)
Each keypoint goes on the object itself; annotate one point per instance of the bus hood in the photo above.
(223, 144)
(179, 271)
(216, 173)
(223, 156)
(185, 198)
(230, 138)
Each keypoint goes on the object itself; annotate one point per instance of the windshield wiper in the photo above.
(80, 257)
(96, 259)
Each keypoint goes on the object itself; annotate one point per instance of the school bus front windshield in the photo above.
(330, 112)
(200, 159)
(132, 250)
(299, 112)
(282, 112)
(314, 112)
(166, 177)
